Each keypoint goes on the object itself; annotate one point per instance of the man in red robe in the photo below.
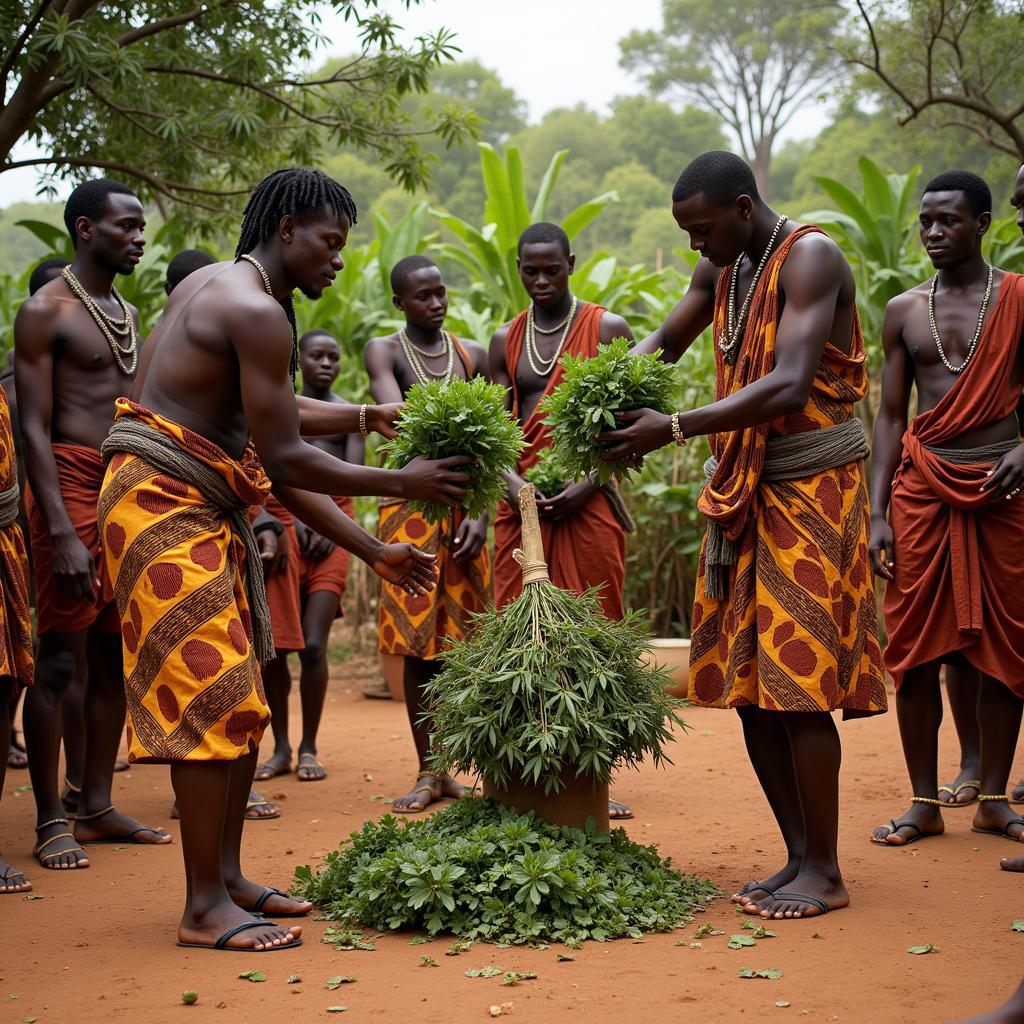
(583, 527)
(951, 484)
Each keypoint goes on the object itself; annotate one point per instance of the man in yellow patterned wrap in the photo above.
(784, 620)
(213, 393)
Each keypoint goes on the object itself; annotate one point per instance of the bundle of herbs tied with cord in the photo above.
(543, 690)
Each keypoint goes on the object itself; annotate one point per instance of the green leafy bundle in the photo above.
(591, 392)
(548, 474)
(481, 871)
(459, 418)
(549, 686)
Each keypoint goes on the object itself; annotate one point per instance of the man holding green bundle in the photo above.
(418, 627)
(784, 619)
(583, 527)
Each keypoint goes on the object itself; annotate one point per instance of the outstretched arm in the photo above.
(887, 439)
(689, 317)
(323, 419)
(813, 276)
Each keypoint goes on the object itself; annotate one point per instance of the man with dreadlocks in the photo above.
(212, 408)
(76, 352)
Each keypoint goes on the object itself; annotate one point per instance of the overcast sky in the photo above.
(554, 53)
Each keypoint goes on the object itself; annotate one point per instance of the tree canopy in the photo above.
(194, 104)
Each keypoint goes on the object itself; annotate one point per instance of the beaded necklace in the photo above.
(536, 360)
(977, 330)
(422, 371)
(108, 325)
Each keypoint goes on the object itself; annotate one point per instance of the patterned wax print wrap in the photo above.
(17, 665)
(796, 629)
(177, 566)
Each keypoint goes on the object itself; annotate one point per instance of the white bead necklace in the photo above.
(108, 325)
(541, 366)
(422, 371)
(977, 330)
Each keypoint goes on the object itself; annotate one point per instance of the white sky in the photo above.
(553, 53)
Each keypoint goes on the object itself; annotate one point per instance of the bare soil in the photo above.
(99, 944)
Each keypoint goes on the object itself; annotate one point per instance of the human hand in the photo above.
(881, 550)
(273, 552)
(515, 484)
(73, 568)
(437, 479)
(640, 431)
(568, 502)
(1007, 478)
(380, 419)
(470, 539)
(407, 566)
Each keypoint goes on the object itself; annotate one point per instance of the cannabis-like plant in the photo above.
(459, 418)
(591, 392)
(481, 871)
(548, 474)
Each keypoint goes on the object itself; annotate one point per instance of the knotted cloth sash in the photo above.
(9, 505)
(788, 457)
(162, 453)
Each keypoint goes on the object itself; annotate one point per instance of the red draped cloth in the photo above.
(959, 573)
(588, 549)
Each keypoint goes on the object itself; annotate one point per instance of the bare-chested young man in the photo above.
(76, 350)
(418, 629)
(584, 527)
(947, 504)
(213, 407)
(784, 620)
(306, 593)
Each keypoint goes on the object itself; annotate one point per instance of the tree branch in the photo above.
(156, 27)
(19, 43)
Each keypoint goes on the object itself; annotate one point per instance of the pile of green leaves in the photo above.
(548, 474)
(459, 418)
(591, 392)
(481, 871)
(548, 688)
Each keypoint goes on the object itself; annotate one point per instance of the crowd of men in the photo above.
(190, 520)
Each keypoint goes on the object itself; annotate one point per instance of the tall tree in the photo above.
(957, 62)
(755, 63)
(195, 103)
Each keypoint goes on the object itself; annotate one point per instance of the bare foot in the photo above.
(12, 880)
(56, 848)
(16, 756)
(963, 790)
(999, 818)
(618, 811)
(1012, 864)
(309, 768)
(263, 899)
(755, 892)
(920, 822)
(1011, 1012)
(279, 763)
(205, 930)
(110, 826)
(1017, 793)
(810, 894)
(428, 789)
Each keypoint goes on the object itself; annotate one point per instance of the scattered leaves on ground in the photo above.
(498, 1009)
(253, 976)
(782, 1003)
(706, 930)
(739, 941)
(771, 973)
(921, 950)
(564, 958)
(32, 896)
(459, 947)
(189, 998)
(759, 930)
(427, 961)
(348, 938)
(294, 979)
(337, 1009)
(1017, 926)
(420, 940)
(338, 980)
(514, 977)
(484, 972)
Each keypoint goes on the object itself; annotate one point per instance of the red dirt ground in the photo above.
(99, 945)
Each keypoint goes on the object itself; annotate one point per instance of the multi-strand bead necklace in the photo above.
(416, 355)
(126, 356)
(541, 366)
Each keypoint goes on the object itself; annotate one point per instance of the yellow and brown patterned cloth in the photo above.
(797, 628)
(177, 567)
(16, 661)
(421, 626)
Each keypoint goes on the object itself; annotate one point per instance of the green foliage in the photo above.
(546, 689)
(480, 871)
(591, 392)
(459, 418)
(548, 474)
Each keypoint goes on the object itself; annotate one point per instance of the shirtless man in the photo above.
(417, 629)
(583, 528)
(318, 581)
(213, 405)
(946, 504)
(76, 352)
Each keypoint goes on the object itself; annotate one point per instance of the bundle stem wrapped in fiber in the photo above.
(548, 685)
